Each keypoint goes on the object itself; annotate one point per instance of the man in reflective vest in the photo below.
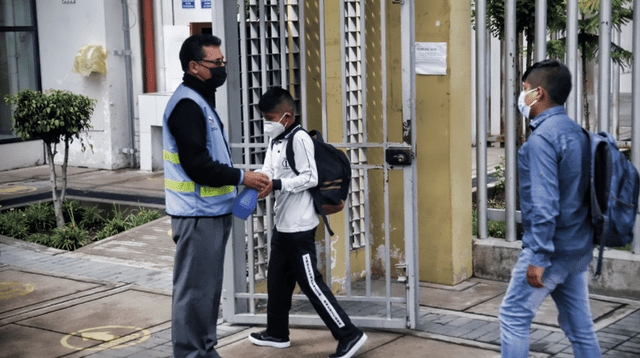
(200, 190)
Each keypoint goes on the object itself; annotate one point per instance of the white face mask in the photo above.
(273, 129)
(524, 109)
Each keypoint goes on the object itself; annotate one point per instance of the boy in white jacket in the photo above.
(293, 250)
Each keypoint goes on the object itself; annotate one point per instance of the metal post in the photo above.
(635, 111)
(615, 96)
(510, 119)
(604, 61)
(481, 119)
(572, 57)
(225, 25)
(129, 78)
(407, 14)
(541, 30)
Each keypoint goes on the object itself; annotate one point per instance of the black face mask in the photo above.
(218, 77)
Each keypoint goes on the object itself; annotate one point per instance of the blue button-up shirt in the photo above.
(554, 181)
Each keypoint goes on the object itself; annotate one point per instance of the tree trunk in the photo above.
(57, 203)
(64, 170)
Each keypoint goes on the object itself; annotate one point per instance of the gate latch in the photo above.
(398, 156)
(403, 266)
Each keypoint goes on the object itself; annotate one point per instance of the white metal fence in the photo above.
(605, 111)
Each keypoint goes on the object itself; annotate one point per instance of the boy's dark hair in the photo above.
(553, 76)
(192, 48)
(276, 97)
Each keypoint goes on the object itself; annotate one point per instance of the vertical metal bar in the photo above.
(303, 63)
(481, 119)
(635, 111)
(385, 125)
(247, 153)
(363, 79)
(343, 65)
(510, 119)
(129, 82)
(225, 25)
(325, 128)
(615, 96)
(541, 30)
(282, 18)
(604, 61)
(572, 58)
(410, 173)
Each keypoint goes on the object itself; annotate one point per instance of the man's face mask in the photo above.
(218, 77)
(522, 107)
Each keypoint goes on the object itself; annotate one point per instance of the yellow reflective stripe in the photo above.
(186, 186)
(172, 157)
(209, 191)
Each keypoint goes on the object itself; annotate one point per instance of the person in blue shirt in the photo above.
(557, 244)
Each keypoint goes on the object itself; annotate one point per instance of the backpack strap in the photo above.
(315, 194)
(594, 208)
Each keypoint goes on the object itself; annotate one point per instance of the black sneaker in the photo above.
(262, 339)
(349, 346)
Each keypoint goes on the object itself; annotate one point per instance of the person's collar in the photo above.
(544, 115)
(199, 86)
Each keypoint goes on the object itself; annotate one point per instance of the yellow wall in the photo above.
(443, 110)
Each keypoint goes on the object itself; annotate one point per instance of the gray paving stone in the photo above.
(539, 334)
(555, 348)
(460, 322)
(554, 337)
(489, 337)
(620, 332)
(629, 347)
(619, 354)
(563, 355)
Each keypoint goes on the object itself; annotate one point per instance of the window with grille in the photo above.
(354, 95)
(269, 57)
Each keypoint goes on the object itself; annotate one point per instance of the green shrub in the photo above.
(91, 218)
(69, 238)
(13, 224)
(40, 217)
(36, 223)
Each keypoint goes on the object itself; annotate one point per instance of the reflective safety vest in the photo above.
(183, 196)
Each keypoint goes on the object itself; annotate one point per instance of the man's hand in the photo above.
(266, 191)
(534, 276)
(256, 180)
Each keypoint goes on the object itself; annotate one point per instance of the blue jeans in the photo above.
(566, 281)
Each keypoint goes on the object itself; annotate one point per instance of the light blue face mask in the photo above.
(522, 107)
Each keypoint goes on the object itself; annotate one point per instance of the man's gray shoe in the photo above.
(349, 346)
(262, 339)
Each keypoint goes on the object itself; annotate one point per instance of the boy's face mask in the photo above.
(273, 129)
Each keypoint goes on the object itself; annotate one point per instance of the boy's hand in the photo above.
(266, 191)
(255, 180)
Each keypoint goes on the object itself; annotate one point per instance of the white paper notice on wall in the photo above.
(431, 58)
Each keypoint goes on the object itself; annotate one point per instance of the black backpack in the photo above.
(614, 191)
(334, 175)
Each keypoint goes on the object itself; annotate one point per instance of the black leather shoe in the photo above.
(262, 339)
(347, 347)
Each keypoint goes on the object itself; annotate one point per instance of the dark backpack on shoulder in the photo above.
(614, 194)
(334, 175)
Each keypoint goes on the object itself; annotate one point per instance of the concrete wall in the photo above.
(21, 155)
(495, 258)
(63, 29)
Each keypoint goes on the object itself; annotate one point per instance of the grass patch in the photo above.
(83, 225)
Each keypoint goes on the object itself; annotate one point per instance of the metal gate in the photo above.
(268, 39)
